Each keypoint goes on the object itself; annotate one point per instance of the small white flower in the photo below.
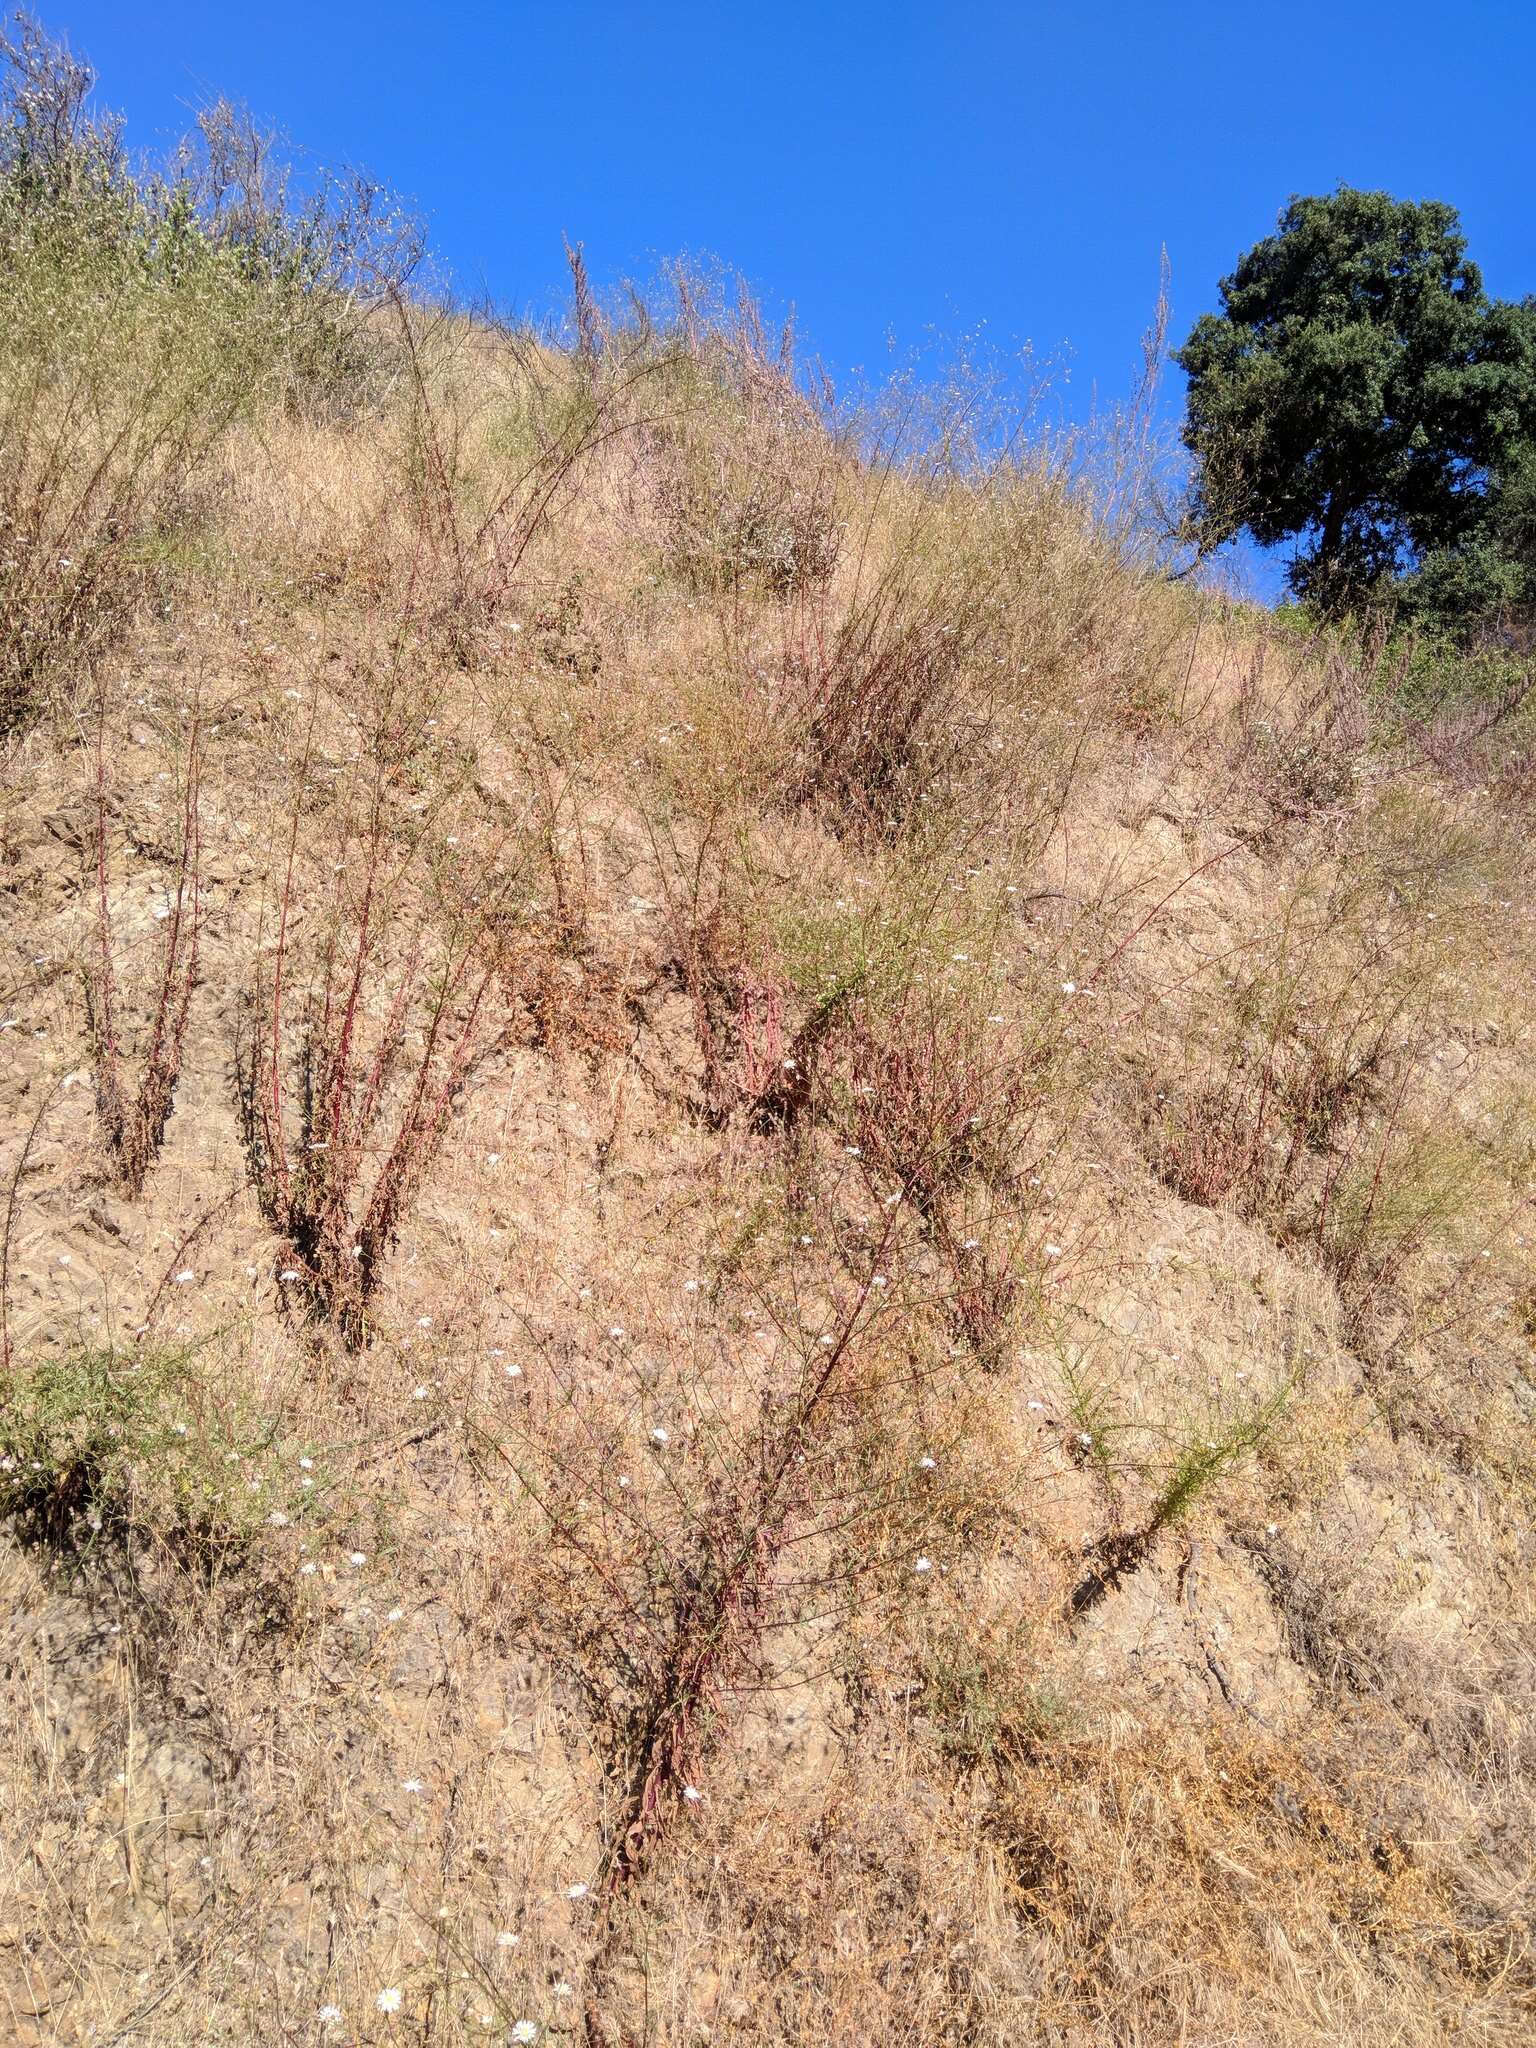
(617, 1330)
(1037, 1407)
(562, 1989)
(278, 1519)
(513, 1372)
(660, 1435)
(183, 1278)
(577, 1890)
(395, 1614)
(1069, 988)
(306, 1464)
(523, 2031)
(389, 1999)
(1053, 1251)
(507, 1939)
(854, 1151)
(692, 1794)
(423, 1322)
(1271, 1528)
(307, 1570)
(418, 1393)
(410, 1785)
(358, 1557)
(328, 2015)
(289, 1273)
(924, 1564)
(927, 1464)
(690, 1287)
(1085, 1439)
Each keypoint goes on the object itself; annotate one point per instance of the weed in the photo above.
(111, 1457)
(342, 1129)
(133, 1116)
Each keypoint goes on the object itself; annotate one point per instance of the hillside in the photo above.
(766, 1233)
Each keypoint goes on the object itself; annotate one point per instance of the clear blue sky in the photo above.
(891, 168)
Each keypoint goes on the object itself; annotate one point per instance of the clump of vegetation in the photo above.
(146, 313)
(349, 1076)
(114, 1456)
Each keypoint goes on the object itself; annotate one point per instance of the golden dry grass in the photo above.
(939, 1448)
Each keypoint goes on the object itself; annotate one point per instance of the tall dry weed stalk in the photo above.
(132, 1113)
(354, 1060)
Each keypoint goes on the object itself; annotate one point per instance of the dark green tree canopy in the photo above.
(1359, 393)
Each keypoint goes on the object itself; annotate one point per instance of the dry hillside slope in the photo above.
(766, 1232)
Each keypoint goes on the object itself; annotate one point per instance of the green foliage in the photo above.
(1207, 1450)
(1360, 393)
(106, 1454)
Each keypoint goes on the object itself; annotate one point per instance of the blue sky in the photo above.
(896, 170)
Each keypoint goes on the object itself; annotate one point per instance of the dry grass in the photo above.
(918, 1149)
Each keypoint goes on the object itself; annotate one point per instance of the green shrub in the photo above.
(116, 1457)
